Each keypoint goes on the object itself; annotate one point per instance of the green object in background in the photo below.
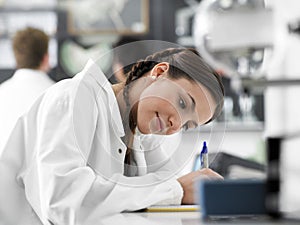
(73, 56)
(260, 155)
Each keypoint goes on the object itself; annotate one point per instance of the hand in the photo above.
(187, 183)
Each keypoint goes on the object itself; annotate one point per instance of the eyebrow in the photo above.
(193, 102)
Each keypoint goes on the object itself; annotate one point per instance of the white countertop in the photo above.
(180, 218)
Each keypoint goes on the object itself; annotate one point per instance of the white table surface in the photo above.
(181, 218)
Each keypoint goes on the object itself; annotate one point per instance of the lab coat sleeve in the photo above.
(60, 185)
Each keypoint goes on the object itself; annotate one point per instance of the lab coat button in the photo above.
(120, 150)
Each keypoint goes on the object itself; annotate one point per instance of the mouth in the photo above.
(160, 126)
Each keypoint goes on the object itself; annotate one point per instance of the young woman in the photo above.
(83, 150)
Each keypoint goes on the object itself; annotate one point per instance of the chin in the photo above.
(143, 131)
(158, 132)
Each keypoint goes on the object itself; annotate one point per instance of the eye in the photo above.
(182, 103)
(189, 125)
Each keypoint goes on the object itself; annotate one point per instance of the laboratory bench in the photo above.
(185, 218)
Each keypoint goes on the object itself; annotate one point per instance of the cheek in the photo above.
(167, 111)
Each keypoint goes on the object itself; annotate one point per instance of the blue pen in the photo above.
(204, 156)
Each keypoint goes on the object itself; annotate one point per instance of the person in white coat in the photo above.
(18, 93)
(85, 149)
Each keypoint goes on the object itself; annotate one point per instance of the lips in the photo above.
(159, 123)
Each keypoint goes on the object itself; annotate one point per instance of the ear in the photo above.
(45, 64)
(159, 69)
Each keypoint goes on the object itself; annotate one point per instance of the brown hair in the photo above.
(30, 46)
(185, 63)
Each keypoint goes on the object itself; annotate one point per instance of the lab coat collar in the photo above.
(25, 74)
(95, 71)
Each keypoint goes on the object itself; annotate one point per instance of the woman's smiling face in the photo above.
(167, 105)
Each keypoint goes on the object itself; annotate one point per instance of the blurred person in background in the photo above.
(17, 94)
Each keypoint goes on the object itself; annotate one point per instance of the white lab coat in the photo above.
(64, 161)
(17, 95)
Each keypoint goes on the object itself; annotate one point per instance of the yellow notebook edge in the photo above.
(172, 208)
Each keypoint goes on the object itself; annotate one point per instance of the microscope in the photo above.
(257, 44)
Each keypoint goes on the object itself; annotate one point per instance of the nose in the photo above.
(177, 121)
(174, 124)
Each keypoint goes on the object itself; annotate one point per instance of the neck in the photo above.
(135, 90)
(45, 66)
(118, 91)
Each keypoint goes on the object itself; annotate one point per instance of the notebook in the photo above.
(173, 208)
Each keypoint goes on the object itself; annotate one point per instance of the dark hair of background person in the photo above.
(30, 46)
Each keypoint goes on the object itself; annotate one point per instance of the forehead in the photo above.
(205, 104)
